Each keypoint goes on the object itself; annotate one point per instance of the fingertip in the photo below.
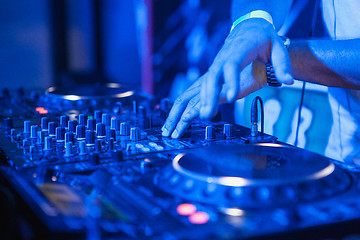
(230, 96)
(165, 132)
(204, 112)
(288, 79)
(175, 134)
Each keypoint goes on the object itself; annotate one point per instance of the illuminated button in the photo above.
(186, 209)
(41, 110)
(199, 218)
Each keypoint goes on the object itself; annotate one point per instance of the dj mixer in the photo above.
(95, 166)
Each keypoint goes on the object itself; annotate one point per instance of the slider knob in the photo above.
(135, 134)
(209, 133)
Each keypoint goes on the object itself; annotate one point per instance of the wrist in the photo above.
(254, 14)
(270, 73)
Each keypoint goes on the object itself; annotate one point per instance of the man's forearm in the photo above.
(328, 62)
(278, 9)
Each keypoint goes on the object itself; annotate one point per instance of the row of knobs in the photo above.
(87, 132)
(228, 132)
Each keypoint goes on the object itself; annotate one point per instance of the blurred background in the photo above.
(155, 46)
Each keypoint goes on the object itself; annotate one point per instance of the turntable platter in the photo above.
(244, 176)
(85, 96)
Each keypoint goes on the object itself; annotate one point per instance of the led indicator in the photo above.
(41, 110)
(186, 209)
(199, 218)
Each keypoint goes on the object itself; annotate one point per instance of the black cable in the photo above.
(254, 113)
(312, 30)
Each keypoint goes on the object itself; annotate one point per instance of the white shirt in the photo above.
(342, 20)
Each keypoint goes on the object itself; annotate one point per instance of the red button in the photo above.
(199, 218)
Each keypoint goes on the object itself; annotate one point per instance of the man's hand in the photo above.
(252, 39)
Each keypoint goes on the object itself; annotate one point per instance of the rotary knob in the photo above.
(90, 137)
(106, 119)
(44, 123)
(8, 124)
(60, 134)
(135, 134)
(64, 121)
(80, 131)
(83, 119)
(72, 126)
(91, 124)
(33, 131)
(209, 133)
(228, 130)
(51, 128)
(97, 116)
(100, 130)
(124, 129)
(27, 128)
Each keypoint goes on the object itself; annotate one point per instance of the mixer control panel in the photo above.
(101, 168)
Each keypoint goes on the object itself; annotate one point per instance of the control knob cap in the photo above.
(60, 134)
(44, 123)
(83, 119)
(124, 129)
(8, 123)
(91, 124)
(228, 130)
(100, 130)
(209, 133)
(135, 134)
(72, 126)
(80, 131)
(64, 121)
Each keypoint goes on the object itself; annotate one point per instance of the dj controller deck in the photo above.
(97, 167)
